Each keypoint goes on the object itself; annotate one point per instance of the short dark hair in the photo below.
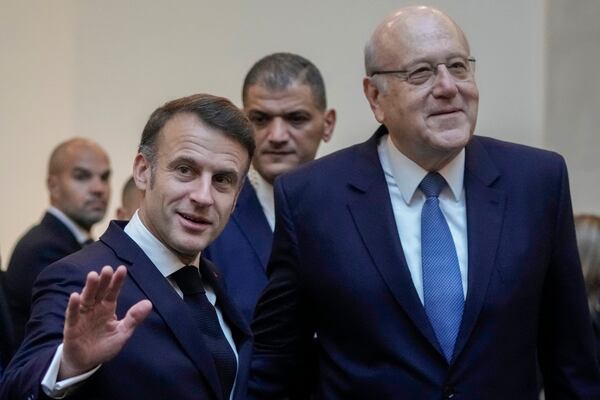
(216, 112)
(277, 71)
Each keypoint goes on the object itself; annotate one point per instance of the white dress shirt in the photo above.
(403, 177)
(264, 192)
(167, 263)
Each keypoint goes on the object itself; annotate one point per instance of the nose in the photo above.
(444, 84)
(278, 131)
(201, 192)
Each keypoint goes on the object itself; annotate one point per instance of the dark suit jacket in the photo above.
(6, 329)
(338, 269)
(242, 250)
(166, 357)
(45, 243)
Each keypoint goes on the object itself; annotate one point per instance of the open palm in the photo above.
(92, 333)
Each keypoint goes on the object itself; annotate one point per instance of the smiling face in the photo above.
(430, 124)
(79, 182)
(288, 127)
(192, 186)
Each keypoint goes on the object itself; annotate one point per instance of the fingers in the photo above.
(89, 292)
(97, 288)
(72, 313)
(116, 284)
(136, 315)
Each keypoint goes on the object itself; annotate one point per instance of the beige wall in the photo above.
(98, 68)
(573, 100)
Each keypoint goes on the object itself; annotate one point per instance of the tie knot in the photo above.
(432, 184)
(188, 279)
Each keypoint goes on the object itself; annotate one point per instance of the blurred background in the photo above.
(98, 68)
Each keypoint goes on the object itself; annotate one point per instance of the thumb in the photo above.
(136, 315)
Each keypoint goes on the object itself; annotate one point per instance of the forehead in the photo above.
(185, 136)
(86, 157)
(295, 97)
(414, 37)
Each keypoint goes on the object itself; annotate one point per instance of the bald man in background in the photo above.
(79, 189)
(131, 198)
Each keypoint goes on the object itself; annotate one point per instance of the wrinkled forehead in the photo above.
(419, 35)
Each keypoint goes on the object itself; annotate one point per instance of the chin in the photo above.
(453, 139)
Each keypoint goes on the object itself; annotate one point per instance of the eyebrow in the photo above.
(428, 59)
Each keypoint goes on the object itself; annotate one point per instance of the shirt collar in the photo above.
(81, 235)
(408, 174)
(163, 258)
(265, 194)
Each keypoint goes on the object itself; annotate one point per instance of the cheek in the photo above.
(260, 137)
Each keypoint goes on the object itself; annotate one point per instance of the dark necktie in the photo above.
(87, 242)
(442, 283)
(188, 280)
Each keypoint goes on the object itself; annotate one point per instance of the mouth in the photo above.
(96, 205)
(277, 152)
(445, 111)
(194, 222)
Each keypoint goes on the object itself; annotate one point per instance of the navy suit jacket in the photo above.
(43, 244)
(166, 358)
(242, 251)
(338, 269)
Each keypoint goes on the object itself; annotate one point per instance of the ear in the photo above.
(142, 172)
(53, 186)
(329, 120)
(373, 94)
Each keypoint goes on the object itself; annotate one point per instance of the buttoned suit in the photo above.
(166, 357)
(43, 244)
(338, 269)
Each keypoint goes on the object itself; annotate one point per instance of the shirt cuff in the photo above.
(58, 390)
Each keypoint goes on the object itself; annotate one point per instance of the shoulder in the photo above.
(514, 154)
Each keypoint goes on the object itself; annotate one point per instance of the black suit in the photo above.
(45, 243)
(6, 332)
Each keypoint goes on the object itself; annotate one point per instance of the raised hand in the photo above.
(92, 333)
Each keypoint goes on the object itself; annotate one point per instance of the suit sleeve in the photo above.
(283, 334)
(24, 374)
(566, 346)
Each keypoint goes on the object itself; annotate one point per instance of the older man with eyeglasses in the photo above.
(430, 263)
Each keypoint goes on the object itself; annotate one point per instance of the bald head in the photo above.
(409, 26)
(131, 198)
(78, 181)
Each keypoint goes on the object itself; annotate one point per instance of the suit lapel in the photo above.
(372, 212)
(485, 214)
(165, 302)
(249, 213)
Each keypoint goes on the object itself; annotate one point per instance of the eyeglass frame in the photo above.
(404, 73)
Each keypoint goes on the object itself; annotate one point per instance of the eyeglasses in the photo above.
(423, 74)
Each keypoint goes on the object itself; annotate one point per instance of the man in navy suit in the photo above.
(79, 187)
(160, 326)
(284, 98)
(429, 262)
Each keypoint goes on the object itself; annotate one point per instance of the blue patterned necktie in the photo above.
(442, 283)
(189, 281)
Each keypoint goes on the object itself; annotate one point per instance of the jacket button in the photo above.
(448, 392)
